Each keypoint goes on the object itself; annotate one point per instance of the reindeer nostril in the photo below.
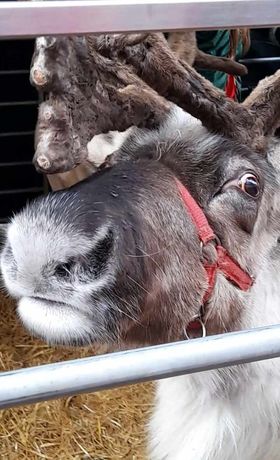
(64, 270)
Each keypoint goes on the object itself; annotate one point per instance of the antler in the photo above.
(86, 94)
(156, 64)
(264, 104)
(98, 84)
(227, 65)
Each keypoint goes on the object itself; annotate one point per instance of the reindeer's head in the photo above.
(118, 257)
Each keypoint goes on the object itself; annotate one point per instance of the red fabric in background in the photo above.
(231, 89)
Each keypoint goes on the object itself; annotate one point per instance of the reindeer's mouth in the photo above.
(55, 322)
(51, 303)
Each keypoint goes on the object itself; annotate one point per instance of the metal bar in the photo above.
(22, 190)
(52, 381)
(17, 103)
(14, 72)
(260, 60)
(15, 163)
(29, 19)
(17, 133)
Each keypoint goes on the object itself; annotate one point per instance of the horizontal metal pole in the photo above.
(14, 72)
(22, 190)
(27, 19)
(260, 60)
(17, 103)
(13, 164)
(117, 369)
(17, 133)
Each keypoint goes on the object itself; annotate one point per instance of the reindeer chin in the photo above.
(55, 322)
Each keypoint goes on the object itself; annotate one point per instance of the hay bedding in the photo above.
(108, 425)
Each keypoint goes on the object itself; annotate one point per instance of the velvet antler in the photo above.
(85, 94)
(156, 64)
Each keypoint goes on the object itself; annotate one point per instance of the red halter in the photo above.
(224, 263)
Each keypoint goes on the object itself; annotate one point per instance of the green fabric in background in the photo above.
(217, 43)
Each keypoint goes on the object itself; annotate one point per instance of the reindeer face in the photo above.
(117, 257)
(232, 194)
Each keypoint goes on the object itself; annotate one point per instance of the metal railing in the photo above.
(91, 374)
(260, 60)
(26, 19)
(118, 369)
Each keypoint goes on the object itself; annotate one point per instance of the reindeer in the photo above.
(177, 236)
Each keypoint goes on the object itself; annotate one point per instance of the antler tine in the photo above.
(227, 65)
(264, 104)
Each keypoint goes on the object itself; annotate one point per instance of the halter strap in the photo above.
(224, 262)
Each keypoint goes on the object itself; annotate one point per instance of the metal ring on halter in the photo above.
(203, 329)
(216, 239)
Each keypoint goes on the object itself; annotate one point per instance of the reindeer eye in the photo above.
(249, 184)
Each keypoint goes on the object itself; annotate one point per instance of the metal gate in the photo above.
(30, 19)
